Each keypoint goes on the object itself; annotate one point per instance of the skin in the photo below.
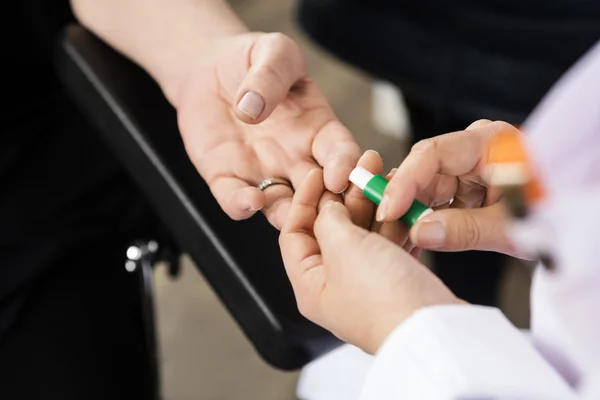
(206, 61)
(445, 172)
(359, 284)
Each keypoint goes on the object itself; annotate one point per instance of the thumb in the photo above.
(276, 64)
(334, 229)
(457, 229)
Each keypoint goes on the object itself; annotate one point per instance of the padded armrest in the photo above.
(240, 260)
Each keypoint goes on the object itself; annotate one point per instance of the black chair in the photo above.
(240, 260)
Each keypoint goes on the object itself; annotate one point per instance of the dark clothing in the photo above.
(458, 61)
(79, 334)
(70, 321)
(464, 58)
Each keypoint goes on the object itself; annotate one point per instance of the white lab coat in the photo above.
(471, 352)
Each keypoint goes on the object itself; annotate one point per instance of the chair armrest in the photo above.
(240, 260)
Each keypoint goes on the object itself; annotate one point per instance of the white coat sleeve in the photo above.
(459, 353)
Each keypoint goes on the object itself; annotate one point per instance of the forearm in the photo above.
(165, 37)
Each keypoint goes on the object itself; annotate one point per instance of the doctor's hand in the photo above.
(248, 110)
(355, 283)
(445, 173)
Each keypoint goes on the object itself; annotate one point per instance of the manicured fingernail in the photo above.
(252, 104)
(430, 235)
(382, 211)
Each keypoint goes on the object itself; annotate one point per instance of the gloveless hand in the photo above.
(250, 111)
(355, 283)
(445, 172)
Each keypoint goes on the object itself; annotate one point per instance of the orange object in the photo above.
(507, 164)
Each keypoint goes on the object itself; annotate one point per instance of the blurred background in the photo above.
(204, 354)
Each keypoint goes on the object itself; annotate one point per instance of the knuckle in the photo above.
(273, 75)
(479, 123)
(501, 126)
(471, 235)
(424, 145)
(278, 39)
(282, 47)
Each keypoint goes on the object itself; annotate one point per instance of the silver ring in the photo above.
(268, 182)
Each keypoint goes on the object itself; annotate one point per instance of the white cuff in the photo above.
(460, 352)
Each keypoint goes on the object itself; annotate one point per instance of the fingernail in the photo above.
(382, 211)
(255, 209)
(391, 173)
(371, 151)
(343, 190)
(430, 235)
(252, 104)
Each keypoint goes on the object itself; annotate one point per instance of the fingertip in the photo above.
(370, 158)
(391, 174)
(245, 202)
(341, 161)
(396, 200)
(412, 233)
(336, 176)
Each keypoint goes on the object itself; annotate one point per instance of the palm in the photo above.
(233, 156)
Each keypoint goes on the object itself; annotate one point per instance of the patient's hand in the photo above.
(249, 111)
(355, 283)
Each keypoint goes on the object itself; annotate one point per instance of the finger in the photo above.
(458, 230)
(468, 195)
(238, 199)
(335, 231)
(278, 200)
(335, 149)
(416, 252)
(360, 207)
(299, 248)
(300, 171)
(453, 154)
(395, 232)
(480, 123)
(408, 246)
(376, 225)
(276, 64)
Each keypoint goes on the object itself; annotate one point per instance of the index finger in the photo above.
(452, 154)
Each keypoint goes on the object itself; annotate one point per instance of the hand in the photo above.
(444, 172)
(362, 210)
(250, 111)
(353, 282)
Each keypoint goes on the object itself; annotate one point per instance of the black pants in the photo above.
(474, 275)
(70, 315)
